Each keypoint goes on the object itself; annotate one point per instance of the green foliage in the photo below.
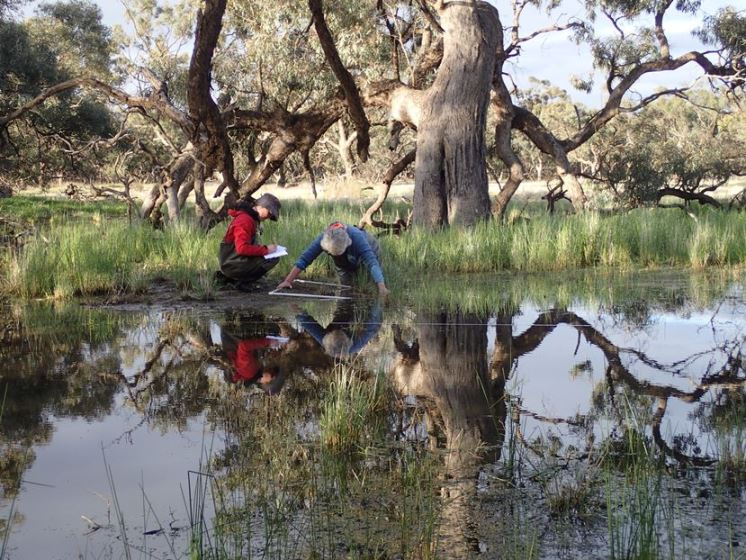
(26, 65)
(64, 40)
(692, 145)
(727, 30)
(82, 42)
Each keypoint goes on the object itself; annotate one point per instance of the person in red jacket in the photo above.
(241, 252)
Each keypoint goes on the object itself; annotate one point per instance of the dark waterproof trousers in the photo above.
(241, 268)
(346, 270)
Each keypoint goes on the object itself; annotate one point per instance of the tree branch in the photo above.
(352, 95)
(202, 107)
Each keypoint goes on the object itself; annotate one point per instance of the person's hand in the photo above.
(284, 284)
(271, 248)
(383, 291)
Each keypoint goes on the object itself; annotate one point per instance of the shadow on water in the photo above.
(608, 423)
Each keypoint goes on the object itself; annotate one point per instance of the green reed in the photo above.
(350, 410)
(639, 508)
(278, 495)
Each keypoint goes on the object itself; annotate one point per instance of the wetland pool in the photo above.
(510, 417)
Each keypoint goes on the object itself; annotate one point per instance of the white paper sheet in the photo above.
(279, 252)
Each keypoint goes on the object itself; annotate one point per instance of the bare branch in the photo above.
(352, 95)
(550, 29)
(392, 173)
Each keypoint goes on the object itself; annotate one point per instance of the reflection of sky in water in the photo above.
(73, 465)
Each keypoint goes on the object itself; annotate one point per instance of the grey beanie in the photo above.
(271, 203)
(335, 240)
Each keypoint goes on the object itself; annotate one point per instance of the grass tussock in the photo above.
(79, 259)
(351, 412)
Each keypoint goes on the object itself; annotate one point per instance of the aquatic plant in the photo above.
(350, 411)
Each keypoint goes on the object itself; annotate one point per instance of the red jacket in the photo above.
(245, 360)
(242, 232)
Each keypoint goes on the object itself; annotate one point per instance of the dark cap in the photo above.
(271, 203)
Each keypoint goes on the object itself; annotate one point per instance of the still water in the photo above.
(509, 418)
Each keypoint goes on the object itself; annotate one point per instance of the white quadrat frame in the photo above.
(315, 296)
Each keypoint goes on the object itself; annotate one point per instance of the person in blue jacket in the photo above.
(350, 247)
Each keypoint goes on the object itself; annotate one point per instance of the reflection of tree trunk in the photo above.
(448, 366)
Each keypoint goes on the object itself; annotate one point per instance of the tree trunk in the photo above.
(451, 185)
(150, 201)
(344, 147)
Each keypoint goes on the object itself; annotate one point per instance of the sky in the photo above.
(554, 57)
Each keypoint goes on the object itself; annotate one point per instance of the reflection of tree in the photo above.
(446, 366)
(725, 376)
(48, 366)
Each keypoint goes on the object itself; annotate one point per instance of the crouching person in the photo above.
(349, 247)
(242, 254)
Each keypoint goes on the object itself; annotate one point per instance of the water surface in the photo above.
(520, 418)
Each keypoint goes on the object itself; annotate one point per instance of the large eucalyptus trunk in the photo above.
(451, 186)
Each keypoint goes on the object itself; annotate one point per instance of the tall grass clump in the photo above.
(79, 259)
(640, 518)
(351, 412)
(544, 243)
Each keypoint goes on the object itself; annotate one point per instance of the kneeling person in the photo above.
(348, 246)
(241, 252)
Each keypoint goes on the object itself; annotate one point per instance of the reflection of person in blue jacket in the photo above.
(350, 247)
(344, 336)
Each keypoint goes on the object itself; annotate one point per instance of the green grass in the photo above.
(347, 423)
(79, 259)
(73, 256)
(38, 208)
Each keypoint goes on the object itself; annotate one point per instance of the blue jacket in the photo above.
(358, 252)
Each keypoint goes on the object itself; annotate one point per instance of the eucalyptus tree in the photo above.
(679, 148)
(267, 81)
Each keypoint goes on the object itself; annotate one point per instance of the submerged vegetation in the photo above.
(109, 256)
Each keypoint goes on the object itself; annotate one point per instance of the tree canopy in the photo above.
(242, 92)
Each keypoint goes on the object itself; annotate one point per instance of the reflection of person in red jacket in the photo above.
(241, 252)
(247, 367)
